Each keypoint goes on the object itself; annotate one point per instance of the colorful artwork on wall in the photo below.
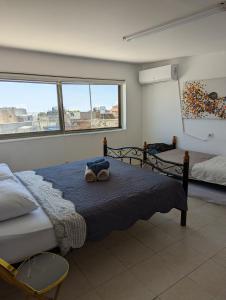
(204, 99)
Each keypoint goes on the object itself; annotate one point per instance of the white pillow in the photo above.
(5, 172)
(15, 200)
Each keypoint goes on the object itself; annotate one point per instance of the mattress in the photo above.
(177, 156)
(26, 235)
(212, 170)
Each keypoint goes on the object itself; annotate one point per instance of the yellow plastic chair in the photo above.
(37, 275)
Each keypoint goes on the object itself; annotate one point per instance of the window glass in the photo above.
(105, 104)
(77, 106)
(90, 106)
(28, 107)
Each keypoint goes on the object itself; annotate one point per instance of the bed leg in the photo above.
(183, 218)
(105, 147)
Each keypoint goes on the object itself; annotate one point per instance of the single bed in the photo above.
(132, 193)
(203, 167)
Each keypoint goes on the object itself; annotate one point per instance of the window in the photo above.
(90, 106)
(30, 108)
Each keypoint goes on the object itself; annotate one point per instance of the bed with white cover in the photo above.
(26, 235)
(35, 217)
(203, 166)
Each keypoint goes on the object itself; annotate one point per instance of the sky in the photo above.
(41, 97)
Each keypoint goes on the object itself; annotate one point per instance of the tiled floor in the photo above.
(155, 259)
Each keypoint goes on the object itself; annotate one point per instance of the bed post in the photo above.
(105, 147)
(145, 147)
(174, 142)
(185, 185)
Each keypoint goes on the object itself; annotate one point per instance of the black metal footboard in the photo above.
(171, 169)
(144, 158)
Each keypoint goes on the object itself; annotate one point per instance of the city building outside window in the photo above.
(31, 108)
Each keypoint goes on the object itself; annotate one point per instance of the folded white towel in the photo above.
(90, 176)
(103, 175)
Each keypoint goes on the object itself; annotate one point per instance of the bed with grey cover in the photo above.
(132, 193)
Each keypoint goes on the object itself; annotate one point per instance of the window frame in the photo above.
(59, 81)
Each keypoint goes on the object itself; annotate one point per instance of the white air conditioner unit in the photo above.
(159, 74)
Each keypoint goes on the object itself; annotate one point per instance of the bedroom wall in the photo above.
(161, 107)
(45, 151)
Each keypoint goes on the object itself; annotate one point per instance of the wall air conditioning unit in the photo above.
(159, 74)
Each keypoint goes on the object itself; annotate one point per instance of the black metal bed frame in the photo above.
(144, 158)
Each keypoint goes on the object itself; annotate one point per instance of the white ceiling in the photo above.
(94, 28)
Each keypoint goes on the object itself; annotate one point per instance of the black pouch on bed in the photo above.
(159, 147)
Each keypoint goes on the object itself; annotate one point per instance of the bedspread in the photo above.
(132, 193)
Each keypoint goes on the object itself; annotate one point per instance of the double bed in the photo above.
(132, 193)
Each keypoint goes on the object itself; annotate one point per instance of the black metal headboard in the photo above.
(144, 158)
(129, 153)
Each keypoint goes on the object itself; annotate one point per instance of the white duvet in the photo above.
(212, 170)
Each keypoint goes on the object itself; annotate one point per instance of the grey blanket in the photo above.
(131, 194)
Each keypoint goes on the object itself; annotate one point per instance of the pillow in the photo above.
(15, 200)
(5, 172)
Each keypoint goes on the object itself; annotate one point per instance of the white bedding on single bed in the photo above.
(26, 235)
(212, 170)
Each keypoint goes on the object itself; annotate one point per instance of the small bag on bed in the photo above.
(158, 148)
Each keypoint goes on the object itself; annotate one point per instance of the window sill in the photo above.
(60, 135)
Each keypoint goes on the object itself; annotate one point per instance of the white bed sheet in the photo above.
(26, 235)
(212, 170)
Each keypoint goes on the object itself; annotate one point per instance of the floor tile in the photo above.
(204, 245)
(75, 285)
(124, 287)
(155, 274)
(115, 238)
(221, 296)
(89, 296)
(173, 228)
(194, 203)
(197, 220)
(180, 259)
(99, 267)
(88, 249)
(214, 210)
(211, 277)
(156, 239)
(131, 252)
(214, 232)
(220, 258)
(186, 289)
